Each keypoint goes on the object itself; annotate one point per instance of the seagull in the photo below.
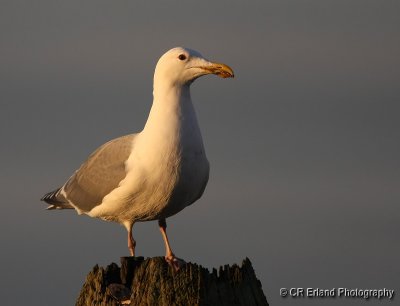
(153, 174)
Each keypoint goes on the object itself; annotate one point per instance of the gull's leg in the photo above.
(131, 241)
(170, 257)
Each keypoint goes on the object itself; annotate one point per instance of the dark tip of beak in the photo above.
(223, 71)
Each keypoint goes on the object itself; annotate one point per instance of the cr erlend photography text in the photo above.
(381, 293)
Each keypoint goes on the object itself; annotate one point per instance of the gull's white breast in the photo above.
(167, 169)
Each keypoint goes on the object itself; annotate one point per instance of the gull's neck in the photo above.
(171, 96)
(172, 119)
(170, 103)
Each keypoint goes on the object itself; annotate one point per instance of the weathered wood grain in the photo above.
(153, 282)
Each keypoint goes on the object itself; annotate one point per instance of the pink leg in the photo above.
(170, 257)
(131, 241)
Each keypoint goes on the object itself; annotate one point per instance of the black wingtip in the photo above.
(51, 197)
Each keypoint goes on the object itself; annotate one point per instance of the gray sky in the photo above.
(303, 143)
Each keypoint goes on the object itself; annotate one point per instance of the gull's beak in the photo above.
(221, 70)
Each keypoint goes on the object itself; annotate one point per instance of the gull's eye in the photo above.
(182, 57)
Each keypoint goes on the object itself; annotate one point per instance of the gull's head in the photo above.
(180, 66)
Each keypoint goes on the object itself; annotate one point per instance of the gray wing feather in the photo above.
(99, 174)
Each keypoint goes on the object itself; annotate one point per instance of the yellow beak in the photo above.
(221, 70)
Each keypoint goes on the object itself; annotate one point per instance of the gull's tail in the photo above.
(56, 200)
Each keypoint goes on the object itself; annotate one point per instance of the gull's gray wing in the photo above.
(98, 176)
